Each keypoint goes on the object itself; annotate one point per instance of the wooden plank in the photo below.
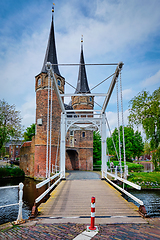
(72, 199)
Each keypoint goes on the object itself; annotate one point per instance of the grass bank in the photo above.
(146, 180)
(11, 171)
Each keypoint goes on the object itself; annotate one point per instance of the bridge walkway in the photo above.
(70, 202)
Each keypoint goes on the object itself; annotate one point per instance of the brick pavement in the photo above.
(34, 230)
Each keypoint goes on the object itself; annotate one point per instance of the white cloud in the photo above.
(152, 80)
(113, 122)
(28, 112)
(113, 31)
(127, 94)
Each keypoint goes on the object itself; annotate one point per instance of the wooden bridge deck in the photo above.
(70, 202)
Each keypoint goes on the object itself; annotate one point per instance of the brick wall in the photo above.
(41, 129)
(27, 157)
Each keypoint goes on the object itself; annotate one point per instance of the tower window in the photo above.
(59, 82)
(83, 134)
(90, 99)
(39, 81)
(71, 133)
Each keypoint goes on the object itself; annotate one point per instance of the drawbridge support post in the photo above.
(62, 146)
(103, 145)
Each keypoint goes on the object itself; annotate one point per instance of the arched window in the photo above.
(39, 81)
(59, 82)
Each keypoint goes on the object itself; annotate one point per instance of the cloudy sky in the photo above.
(113, 30)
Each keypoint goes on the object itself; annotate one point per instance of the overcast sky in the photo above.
(113, 30)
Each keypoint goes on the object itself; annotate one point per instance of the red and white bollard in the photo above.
(92, 227)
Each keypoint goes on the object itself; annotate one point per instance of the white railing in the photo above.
(55, 168)
(123, 170)
(39, 185)
(122, 189)
(127, 193)
(20, 203)
(123, 180)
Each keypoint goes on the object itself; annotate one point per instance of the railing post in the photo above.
(125, 172)
(121, 171)
(116, 173)
(19, 218)
(103, 144)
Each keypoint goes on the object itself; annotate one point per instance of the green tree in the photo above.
(133, 143)
(156, 158)
(96, 146)
(29, 133)
(145, 110)
(10, 123)
(147, 148)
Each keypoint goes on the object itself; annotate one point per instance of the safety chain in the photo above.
(112, 138)
(118, 128)
(50, 143)
(57, 151)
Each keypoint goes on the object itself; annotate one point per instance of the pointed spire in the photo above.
(51, 55)
(82, 83)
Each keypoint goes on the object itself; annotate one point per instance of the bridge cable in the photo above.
(50, 147)
(112, 138)
(124, 153)
(57, 151)
(118, 127)
(47, 124)
(93, 87)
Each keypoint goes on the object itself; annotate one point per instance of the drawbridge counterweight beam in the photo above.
(110, 90)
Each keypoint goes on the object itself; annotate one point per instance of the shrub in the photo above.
(11, 171)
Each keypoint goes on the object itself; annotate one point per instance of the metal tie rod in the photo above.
(88, 64)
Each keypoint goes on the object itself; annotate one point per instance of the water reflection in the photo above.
(10, 196)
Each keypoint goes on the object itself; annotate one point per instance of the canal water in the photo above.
(11, 195)
(151, 199)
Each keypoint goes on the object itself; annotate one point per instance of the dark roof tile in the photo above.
(82, 83)
(51, 55)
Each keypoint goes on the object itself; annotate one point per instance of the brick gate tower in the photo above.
(35, 155)
(79, 154)
(41, 88)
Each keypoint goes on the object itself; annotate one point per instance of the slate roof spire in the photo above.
(51, 55)
(82, 83)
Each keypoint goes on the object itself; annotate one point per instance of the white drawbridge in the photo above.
(86, 119)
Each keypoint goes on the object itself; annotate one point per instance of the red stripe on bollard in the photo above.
(92, 227)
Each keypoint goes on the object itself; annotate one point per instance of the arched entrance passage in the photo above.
(72, 162)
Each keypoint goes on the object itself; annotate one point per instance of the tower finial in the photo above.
(53, 8)
(82, 42)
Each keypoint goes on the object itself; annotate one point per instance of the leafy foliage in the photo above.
(10, 122)
(131, 166)
(96, 146)
(145, 110)
(133, 142)
(11, 171)
(29, 133)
